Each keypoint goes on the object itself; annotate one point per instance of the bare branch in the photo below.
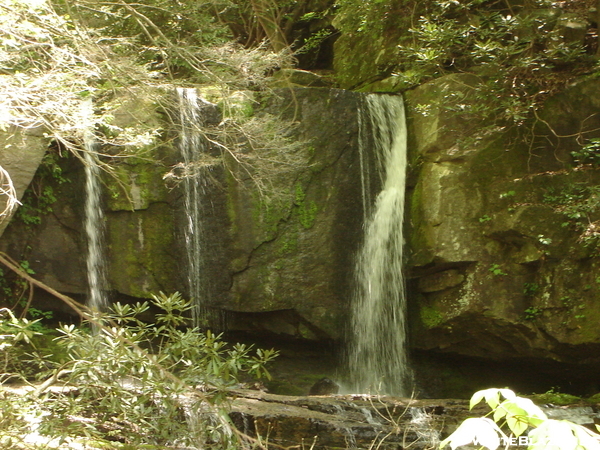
(8, 194)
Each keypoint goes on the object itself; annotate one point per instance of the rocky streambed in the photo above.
(327, 422)
(345, 421)
(364, 421)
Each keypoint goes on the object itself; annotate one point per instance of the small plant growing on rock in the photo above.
(554, 397)
(531, 289)
(496, 270)
(507, 194)
(588, 153)
(532, 313)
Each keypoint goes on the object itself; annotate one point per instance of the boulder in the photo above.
(21, 152)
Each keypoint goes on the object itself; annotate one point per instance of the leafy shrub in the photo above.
(532, 313)
(139, 383)
(579, 203)
(588, 153)
(21, 355)
(517, 55)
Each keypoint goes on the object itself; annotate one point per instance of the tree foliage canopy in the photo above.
(53, 54)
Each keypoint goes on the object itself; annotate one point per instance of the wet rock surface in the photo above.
(344, 421)
(364, 421)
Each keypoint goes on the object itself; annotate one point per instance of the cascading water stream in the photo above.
(94, 216)
(192, 145)
(377, 354)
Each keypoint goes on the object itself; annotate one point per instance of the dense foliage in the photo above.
(512, 55)
(127, 382)
(517, 55)
(54, 55)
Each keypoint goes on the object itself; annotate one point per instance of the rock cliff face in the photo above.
(502, 223)
(503, 227)
(22, 152)
(297, 258)
(504, 256)
(279, 250)
(502, 237)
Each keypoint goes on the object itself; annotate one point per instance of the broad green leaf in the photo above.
(507, 394)
(499, 413)
(476, 398)
(520, 413)
(492, 397)
(587, 439)
(533, 412)
(516, 424)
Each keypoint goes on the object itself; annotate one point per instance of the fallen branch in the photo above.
(79, 308)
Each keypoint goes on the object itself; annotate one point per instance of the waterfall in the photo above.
(94, 215)
(377, 354)
(193, 146)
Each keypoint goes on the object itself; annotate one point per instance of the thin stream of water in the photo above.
(377, 354)
(94, 217)
(192, 145)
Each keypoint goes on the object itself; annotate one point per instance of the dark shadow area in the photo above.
(448, 376)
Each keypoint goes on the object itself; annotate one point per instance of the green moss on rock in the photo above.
(372, 30)
(140, 251)
(430, 317)
(555, 398)
(134, 185)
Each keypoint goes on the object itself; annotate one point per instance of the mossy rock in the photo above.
(556, 398)
(594, 398)
(372, 30)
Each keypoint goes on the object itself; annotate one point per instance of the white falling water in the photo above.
(94, 216)
(192, 145)
(377, 354)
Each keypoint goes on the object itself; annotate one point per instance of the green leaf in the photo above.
(533, 412)
(553, 435)
(587, 439)
(492, 397)
(499, 413)
(520, 413)
(476, 398)
(516, 424)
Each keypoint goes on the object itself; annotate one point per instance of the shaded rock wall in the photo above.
(299, 256)
(50, 239)
(46, 235)
(504, 259)
(278, 250)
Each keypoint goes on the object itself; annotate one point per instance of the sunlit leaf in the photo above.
(587, 439)
(492, 397)
(479, 431)
(517, 424)
(476, 398)
(552, 435)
